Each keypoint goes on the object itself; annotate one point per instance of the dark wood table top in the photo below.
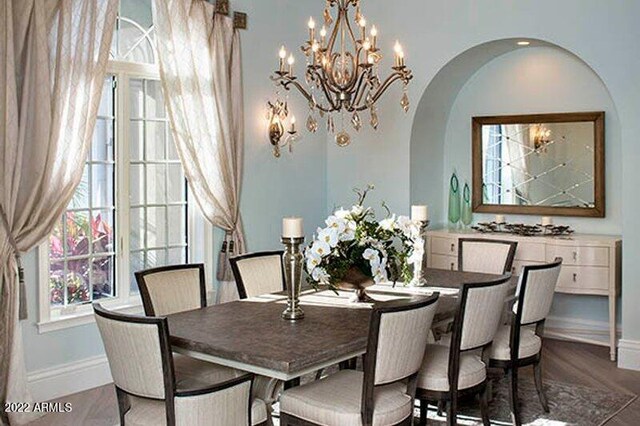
(250, 335)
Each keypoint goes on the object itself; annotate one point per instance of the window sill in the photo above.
(85, 316)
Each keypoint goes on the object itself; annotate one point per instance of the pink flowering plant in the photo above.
(382, 250)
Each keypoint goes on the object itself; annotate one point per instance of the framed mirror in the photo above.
(542, 164)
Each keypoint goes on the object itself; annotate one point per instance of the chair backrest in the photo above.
(486, 256)
(258, 273)
(398, 335)
(479, 314)
(139, 353)
(170, 289)
(535, 291)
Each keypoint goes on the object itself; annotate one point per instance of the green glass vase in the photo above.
(454, 200)
(467, 214)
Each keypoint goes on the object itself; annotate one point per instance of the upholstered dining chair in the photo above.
(382, 394)
(520, 343)
(176, 288)
(151, 392)
(460, 369)
(258, 273)
(486, 256)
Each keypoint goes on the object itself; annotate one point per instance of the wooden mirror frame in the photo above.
(597, 118)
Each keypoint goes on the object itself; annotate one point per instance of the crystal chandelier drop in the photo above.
(341, 76)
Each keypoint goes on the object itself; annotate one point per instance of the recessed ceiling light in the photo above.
(523, 43)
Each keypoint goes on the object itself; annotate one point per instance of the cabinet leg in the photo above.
(612, 325)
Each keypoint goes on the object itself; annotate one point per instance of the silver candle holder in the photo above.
(293, 277)
(419, 279)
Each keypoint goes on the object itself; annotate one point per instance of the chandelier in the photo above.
(341, 80)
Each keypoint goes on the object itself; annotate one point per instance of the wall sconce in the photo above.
(541, 139)
(281, 135)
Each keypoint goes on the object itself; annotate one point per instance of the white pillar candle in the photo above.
(419, 213)
(547, 221)
(500, 218)
(292, 227)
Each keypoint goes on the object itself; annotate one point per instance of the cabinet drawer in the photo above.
(531, 252)
(439, 261)
(583, 256)
(518, 264)
(448, 246)
(583, 280)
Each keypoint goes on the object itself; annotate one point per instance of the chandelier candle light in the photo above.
(341, 75)
(293, 238)
(420, 215)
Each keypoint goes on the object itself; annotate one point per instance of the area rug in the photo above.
(568, 404)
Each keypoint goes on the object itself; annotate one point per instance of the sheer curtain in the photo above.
(53, 55)
(200, 69)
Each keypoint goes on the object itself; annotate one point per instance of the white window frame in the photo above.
(53, 318)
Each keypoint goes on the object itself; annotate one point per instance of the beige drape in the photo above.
(200, 69)
(53, 55)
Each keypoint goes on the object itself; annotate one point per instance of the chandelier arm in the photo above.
(398, 75)
(287, 82)
(358, 93)
(325, 89)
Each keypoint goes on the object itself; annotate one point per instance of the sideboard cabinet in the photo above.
(591, 263)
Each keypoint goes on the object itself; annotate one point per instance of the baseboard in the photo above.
(629, 354)
(67, 379)
(580, 330)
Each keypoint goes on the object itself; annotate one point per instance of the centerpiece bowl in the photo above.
(355, 280)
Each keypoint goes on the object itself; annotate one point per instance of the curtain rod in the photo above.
(239, 19)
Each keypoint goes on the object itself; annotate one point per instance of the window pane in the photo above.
(156, 140)
(102, 277)
(136, 98)
(78, 281)
(56, 250)
(102, 144)
(156, 258)
(136, 138)
(80, 199)
(136, 184)
(77, 233)
(155, 102)
(56, 283)
(102, 185)
(176, 184)
(172, 153)
(102, 231)
(156, 188)
(137, 224)
(177, 226)
(106, 101)
(137, 264)
(156, 227)
(176, 256)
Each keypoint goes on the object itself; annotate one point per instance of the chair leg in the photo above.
(484, 406)
(423, 412)
(513, 394)
(537, 376)
(452, 411)
(441, 408)
(319, 374)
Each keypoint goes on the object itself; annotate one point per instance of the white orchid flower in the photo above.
(329, 236)
(312, 261)
(371, 255)
(320, 275)
(357, 210)
(389, 223)
(320, 248)
(342, 213)
(337, 223)
(349, 233)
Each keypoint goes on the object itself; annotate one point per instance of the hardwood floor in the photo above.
(565, 362)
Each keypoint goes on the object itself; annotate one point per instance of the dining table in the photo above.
(250, 335)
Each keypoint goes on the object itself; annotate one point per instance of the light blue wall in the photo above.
(273, 188)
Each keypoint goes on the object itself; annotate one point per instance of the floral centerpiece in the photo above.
(354, 250)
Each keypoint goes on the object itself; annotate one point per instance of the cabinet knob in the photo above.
(575, 277)
(453, 247)
(513, 270)
(452, 266)
(575, 256)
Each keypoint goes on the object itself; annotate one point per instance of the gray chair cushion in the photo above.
(336, 400)
(434, 374)
(530, 344)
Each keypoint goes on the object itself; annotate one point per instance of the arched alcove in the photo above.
(502, 77)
